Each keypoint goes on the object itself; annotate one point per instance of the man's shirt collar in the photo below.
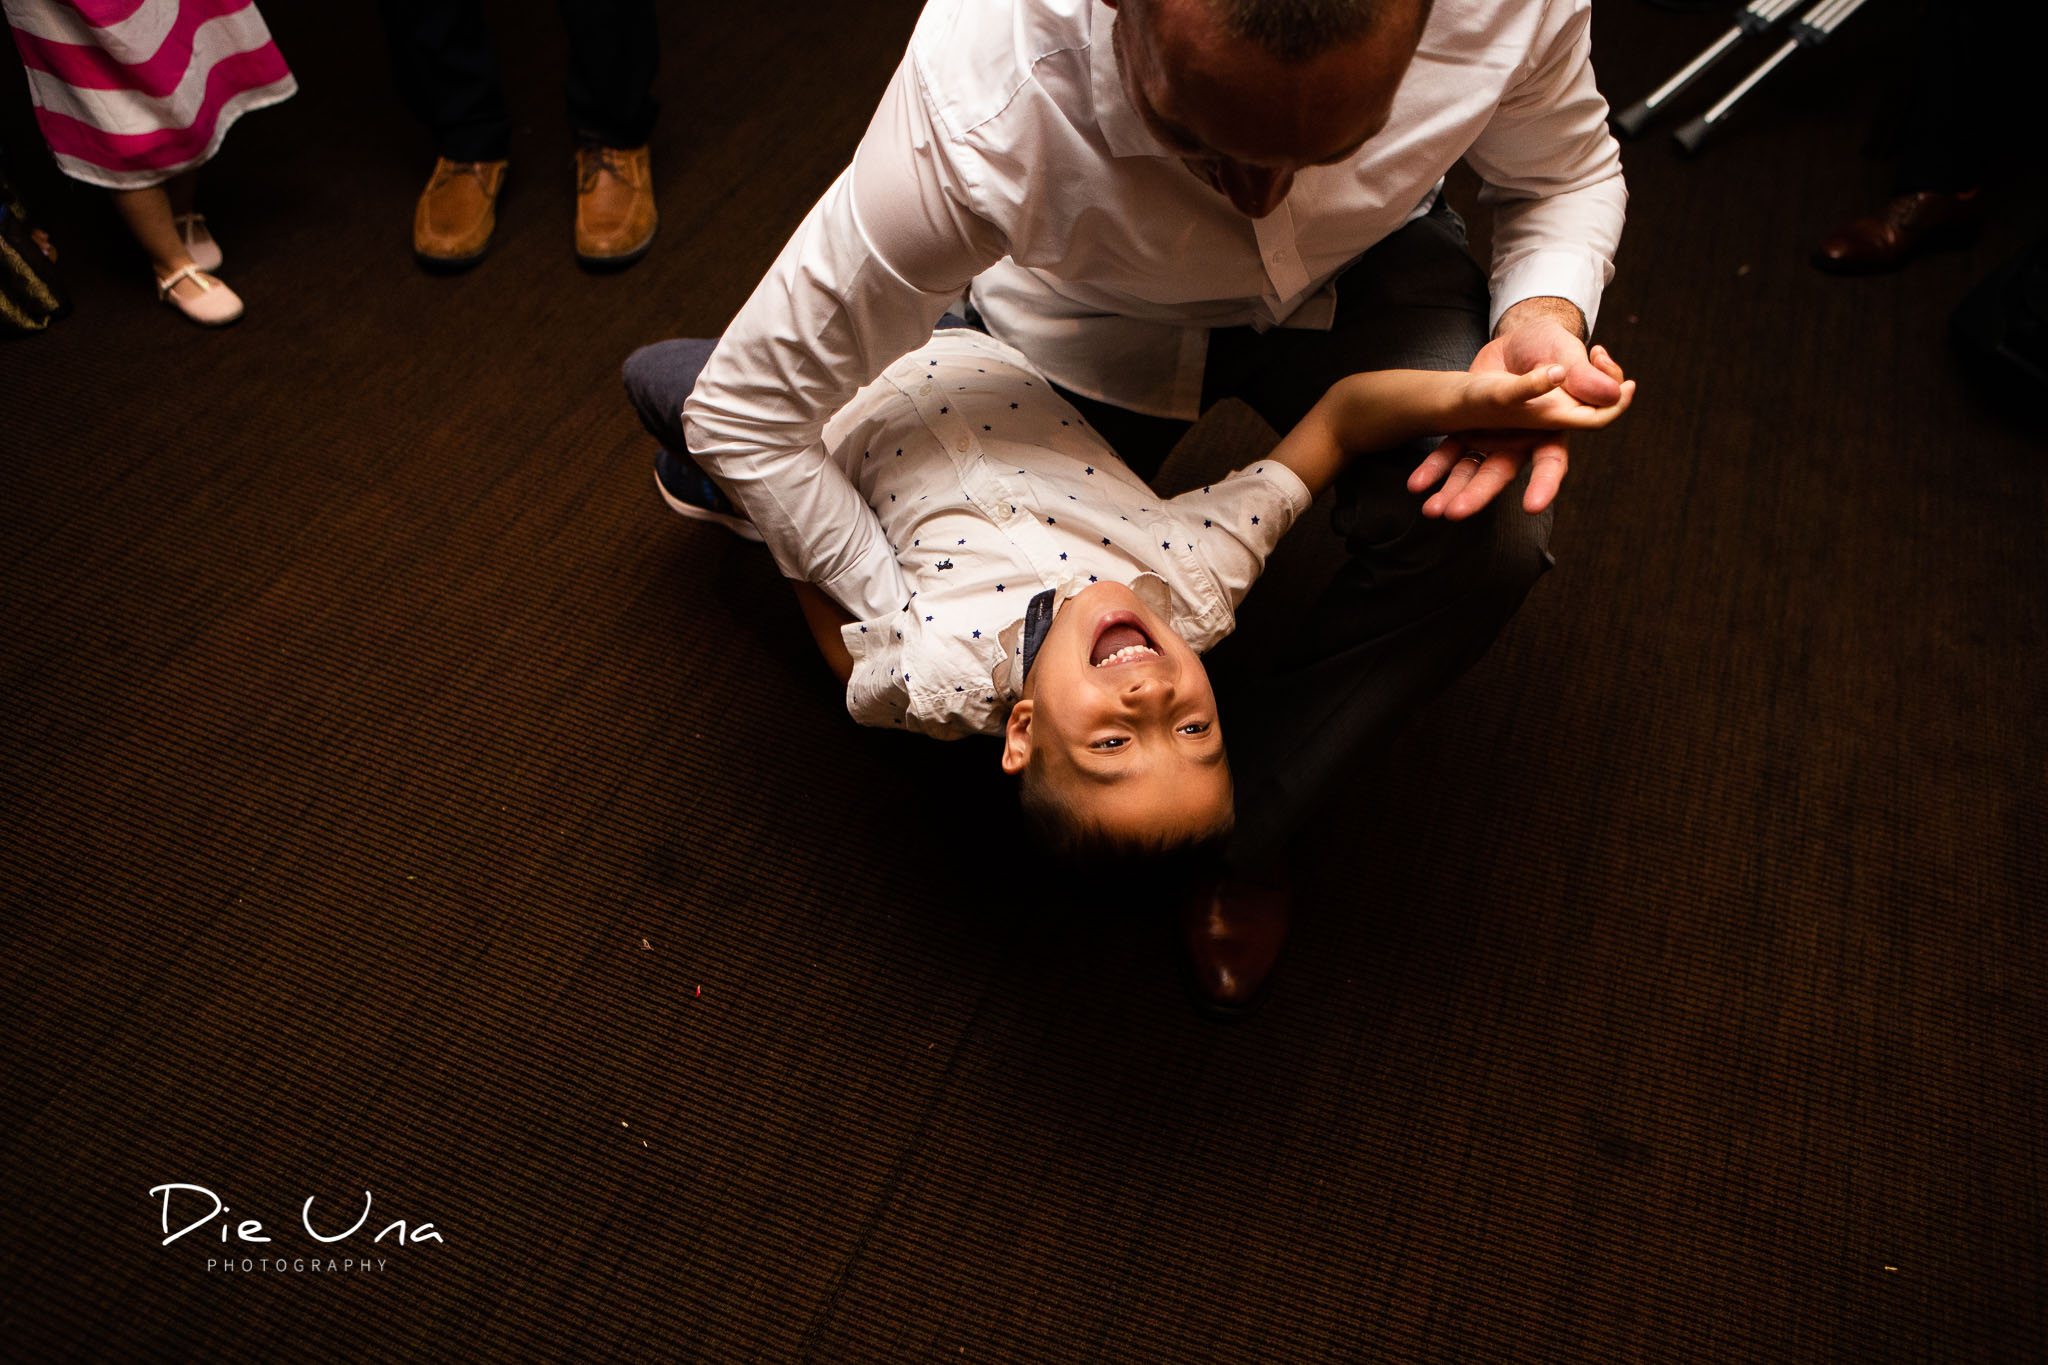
(1122, 128)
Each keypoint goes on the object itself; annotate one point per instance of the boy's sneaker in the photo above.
(690, 492)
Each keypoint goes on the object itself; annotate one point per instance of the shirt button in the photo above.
(962, 446)
(925, 387)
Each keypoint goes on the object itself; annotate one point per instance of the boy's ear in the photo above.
(1017, 739)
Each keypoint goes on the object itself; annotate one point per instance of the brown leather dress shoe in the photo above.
(1233, 932)
(615, 217)
(1904, 228)
(457, 213)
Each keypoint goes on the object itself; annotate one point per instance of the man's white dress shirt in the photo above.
(1005, 153)
(990, 488)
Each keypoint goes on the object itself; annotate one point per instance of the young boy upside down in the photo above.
(1057, 601)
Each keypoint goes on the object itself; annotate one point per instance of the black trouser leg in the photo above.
(447, 73)
(1418, 600)
(609, 89)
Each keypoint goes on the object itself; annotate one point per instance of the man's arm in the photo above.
(1552, 173)
(859, 284)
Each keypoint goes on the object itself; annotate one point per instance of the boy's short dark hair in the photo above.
(1082, 847)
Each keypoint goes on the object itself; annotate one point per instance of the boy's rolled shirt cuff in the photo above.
(904, 680)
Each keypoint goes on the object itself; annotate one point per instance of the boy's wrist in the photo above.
(1454, 401)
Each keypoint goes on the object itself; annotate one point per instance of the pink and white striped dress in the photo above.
(130, 92)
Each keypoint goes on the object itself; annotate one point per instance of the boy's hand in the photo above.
(1520, 409)
(1474, 466)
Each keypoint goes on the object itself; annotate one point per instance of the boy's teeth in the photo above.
(1129, 652)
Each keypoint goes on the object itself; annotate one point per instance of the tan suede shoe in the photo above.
(615, 218)
(457, 212)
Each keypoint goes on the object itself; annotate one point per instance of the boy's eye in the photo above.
(1195, 727)
(1113, 742)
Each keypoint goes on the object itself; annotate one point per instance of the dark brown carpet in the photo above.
(385, 772)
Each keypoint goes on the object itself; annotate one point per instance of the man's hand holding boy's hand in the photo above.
(1474, 465)
(1525, 406)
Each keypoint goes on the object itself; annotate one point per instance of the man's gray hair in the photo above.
(1296, 30)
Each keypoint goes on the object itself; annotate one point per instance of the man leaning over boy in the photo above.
(1164, 203)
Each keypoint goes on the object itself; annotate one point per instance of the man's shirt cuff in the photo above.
(1575, 276)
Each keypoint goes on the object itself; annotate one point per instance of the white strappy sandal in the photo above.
(215, 305)
(199, 240)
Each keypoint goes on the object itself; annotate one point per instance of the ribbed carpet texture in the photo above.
(399, 807)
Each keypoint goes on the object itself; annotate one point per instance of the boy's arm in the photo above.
(825, 617)
(1380, 409)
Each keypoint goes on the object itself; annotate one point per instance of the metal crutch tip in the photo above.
(1629, 122)
(1692, 135)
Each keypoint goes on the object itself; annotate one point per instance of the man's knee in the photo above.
(1404, 570)
(666, 371)
(1519, 550)
(660, 377)
(1485, 566)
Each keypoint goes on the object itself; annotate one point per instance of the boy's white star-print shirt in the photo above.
(991, 488)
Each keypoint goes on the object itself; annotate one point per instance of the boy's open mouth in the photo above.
(1119, 639)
